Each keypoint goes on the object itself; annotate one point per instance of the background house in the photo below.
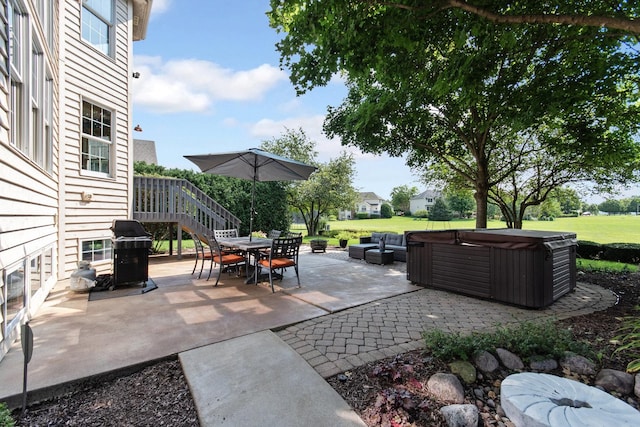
(423, 201)
(65, 142)
(368, 203)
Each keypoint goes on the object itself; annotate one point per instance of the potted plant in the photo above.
(343, 238)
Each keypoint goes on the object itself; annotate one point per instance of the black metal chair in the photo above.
(224, 260)
(201, 253)
(283, 253)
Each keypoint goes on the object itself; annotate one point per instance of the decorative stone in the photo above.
(612, 380)
(465, 370)
(446, 387)
(486, 361)
(636, 387)
(545, 365)
(460, 415)
(578, 364)
(510, 360)
(531, 399)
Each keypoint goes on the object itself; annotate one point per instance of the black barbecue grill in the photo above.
(131, 244)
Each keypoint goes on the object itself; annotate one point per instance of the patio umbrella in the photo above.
(255, 165)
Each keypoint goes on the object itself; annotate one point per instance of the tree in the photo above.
(386, 211)
(327, 189)
(624, 17)
(440, 211)
(610, 206)
(457, 90)
(549, 209)
(568, 199)
(460, 201)
(400, 197)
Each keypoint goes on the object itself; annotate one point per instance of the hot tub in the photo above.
(529, 268)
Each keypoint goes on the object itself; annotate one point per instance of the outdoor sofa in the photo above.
(392, 241)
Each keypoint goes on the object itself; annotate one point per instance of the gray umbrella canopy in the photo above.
(255, 165)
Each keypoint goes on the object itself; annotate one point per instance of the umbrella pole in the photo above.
(253, 197)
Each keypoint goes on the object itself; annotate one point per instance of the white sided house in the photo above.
(423, 201)
(368, 203)
(66, 154)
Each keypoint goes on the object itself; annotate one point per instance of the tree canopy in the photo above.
(454, 89)
(401, 197)
(329, 188)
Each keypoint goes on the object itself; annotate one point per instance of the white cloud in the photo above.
(267, 129)
(194, 85)
(160, 6)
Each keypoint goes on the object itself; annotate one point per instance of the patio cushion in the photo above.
(278, 263)
(375, 237)
(394, 239)
(228, 259)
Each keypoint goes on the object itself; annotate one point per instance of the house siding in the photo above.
(43, 218)
(29, 196)
(104, 81)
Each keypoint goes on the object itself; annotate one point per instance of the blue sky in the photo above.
(210, 82)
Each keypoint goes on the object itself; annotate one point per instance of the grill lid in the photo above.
(128, 228)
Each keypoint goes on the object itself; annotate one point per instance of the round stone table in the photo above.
(536, 400)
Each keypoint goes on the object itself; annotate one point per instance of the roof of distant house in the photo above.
(145, 151)
(369, 195)
(428, 194)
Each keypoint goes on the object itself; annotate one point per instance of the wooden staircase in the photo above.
(157, 199)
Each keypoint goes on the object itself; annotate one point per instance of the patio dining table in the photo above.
(250, 247)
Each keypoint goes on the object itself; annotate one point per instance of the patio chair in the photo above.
(274, 234)
(224, 260)
(201, 253)
(283, 254)
(224, 234)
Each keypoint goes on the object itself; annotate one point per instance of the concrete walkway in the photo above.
(345, 314)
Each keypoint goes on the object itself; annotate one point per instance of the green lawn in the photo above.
(600, 229)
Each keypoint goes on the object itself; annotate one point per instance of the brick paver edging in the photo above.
(341, 341)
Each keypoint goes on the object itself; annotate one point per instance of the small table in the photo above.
(376, 256)
(357, 251)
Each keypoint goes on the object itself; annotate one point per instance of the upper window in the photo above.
(97, 24)
(31, 92)
(96, 138)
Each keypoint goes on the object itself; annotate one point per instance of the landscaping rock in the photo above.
(544, 365)
(460, 415)
(486, 362)
(612, 380)
(636, 387)
(446, 387)
(578, 364)
(510, 360)
(464, 370)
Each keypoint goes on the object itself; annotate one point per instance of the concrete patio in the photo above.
(346, 313)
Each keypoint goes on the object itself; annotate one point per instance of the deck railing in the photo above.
(178, 200)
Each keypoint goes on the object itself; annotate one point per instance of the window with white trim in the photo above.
(31, 91)
(96, 138)
(14, 294)
(96, 250)
(45, 14)
(18, 60)
(97, 24)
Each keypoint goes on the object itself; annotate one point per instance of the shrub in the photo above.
(622, 252)
(589, 250)
(527, 340)
(362, 215)
(386, 211)
(420, 214)
(5, 416)
(630, 340)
